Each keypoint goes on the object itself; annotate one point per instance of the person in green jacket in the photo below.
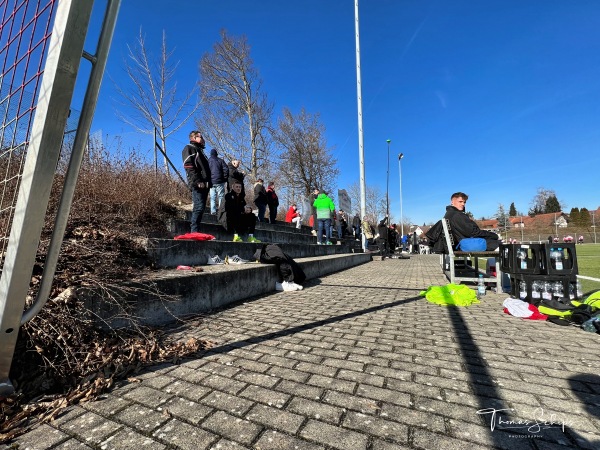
(324, 207)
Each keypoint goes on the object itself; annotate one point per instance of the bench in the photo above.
(456, 267)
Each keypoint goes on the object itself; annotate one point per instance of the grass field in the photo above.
(588, 260)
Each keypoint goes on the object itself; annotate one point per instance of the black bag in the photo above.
(288, 269)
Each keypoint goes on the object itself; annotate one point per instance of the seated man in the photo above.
(236, 216)
(462, 225)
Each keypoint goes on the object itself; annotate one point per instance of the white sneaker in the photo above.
(214, 260)
(235, 259)
(286, 286)
(296, 286)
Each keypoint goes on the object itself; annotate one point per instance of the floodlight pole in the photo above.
(361, 153)
(400, 156)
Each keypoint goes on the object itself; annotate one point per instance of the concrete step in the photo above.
(168, 295)
(171, 253)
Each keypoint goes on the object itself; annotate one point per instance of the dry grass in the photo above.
(61, 358)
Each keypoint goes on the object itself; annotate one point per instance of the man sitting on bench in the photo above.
(463, 227)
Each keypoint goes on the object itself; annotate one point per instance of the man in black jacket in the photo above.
(196, 167)
(462, 225)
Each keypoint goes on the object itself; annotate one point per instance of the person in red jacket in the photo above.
(293, 216)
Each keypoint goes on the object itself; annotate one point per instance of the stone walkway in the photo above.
(357, 360)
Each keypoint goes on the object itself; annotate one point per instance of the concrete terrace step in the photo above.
(167, 295)
(171, 253)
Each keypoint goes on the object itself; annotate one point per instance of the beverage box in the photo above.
(564, 264)
(522, 258)
(568, 283)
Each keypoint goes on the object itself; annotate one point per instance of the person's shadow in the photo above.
(578, 385)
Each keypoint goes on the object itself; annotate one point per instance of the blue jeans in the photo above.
(199, 203)
(261, 212)
(217, 194)
(324, 223)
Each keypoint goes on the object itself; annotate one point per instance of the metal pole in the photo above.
(594, 224)
(361, 153)
(58, 83)
(400, 156)
(387, 189)
(555, 225)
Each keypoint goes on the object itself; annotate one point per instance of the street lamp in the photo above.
(400, 156)
(387, 189)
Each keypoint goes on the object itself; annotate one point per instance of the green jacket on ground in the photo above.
(324, 207)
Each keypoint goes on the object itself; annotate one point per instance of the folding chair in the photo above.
(464, 266)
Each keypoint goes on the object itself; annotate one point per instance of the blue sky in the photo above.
(493, 98)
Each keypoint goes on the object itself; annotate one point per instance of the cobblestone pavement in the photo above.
(357, 360)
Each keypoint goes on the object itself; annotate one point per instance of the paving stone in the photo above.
(288, 374)
(71, 444)
(413, 417)
(186, 410)
(376, 426)
(184, 436)
(224, 384)
(191, 391)
(386, 395)
(339, 438)
(361, 377)
(158, 381)
(300, 389)
(272, 440)
(227, 402)
(231, 427)
(266, 381)
(128, 439)
(332, 383)
(40, 438)
(276, 419)
(150, 397)
(107, 405)
(91, 426)
(266, 396)
(315, 410)
(142, 418)
(226, 444)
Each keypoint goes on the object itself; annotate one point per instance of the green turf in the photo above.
(588, 260)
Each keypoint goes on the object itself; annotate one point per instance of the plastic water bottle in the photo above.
(557, 289)
(522, 255)
(579, 289)
(556, 257)
(536, 289)
(522, 290)
(571, 291)
(591, 324)
(547, 291)
(480, 286)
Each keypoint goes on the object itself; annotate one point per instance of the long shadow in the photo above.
(503, 421)
(593, 410)
(307, 326)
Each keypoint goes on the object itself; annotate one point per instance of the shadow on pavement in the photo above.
(593, 410)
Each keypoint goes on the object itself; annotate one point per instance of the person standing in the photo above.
(219, 173)
(311, 200)
(356, 226)
(272, 201)
(197, 170)
(235, 174)
(260, 199)
(324, 207)
(382, 240)
(549, 239)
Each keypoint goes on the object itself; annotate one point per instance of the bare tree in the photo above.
(152, 96)
(235, 114)
(306, 162)
(539, 203)
(376, 205)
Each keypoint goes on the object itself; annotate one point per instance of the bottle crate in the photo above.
(568, 259)
(569, 286)
(522, 258)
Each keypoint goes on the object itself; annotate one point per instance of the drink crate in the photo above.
(568, 259)
(569, 285)
(522, 258)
